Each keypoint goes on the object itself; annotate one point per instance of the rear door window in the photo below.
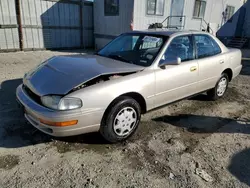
(206, 46)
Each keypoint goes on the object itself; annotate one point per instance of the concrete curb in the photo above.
(246, 59)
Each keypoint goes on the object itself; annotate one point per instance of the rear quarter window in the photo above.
(217, 49)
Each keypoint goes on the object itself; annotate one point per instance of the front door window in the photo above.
(181, 47)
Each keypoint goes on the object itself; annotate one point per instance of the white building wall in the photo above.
(213, 14)
(142, 20)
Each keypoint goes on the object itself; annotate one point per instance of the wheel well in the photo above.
(139, 98)
(229, 73)
(136, 96)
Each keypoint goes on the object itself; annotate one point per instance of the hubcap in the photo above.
(125, 121)
(222, 86)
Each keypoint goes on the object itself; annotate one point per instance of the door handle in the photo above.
(192, 69)
(221, 61)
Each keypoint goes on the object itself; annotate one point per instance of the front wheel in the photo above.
(121, 120)
(220, 88)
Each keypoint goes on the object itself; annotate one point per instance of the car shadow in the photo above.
(205, 124)
(246, 68)
(200, 97)
(240, 166)
(14, 130)
(89, 138)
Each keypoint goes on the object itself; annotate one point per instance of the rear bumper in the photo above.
(88, 121)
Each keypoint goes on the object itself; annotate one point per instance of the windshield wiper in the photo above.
(118, 57)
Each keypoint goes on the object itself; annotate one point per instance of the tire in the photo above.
(215, 94)
(121, 120)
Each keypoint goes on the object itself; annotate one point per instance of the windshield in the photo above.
(139, 49)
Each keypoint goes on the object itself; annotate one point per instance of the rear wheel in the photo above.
(121, 120)
(220, 88)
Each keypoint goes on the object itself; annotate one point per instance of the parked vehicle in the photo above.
(136, 72)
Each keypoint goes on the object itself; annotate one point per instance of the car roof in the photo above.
(166, 32)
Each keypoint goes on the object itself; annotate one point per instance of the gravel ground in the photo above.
(192, 143)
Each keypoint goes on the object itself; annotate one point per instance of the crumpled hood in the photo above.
(59, 75)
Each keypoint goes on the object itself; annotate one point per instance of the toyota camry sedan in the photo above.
(138, 71)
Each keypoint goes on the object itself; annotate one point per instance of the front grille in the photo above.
(32, 95)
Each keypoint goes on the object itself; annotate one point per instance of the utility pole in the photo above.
(19, 23)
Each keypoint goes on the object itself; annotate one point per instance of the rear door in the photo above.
(210, 60)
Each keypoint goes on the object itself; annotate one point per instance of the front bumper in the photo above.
(88, 121)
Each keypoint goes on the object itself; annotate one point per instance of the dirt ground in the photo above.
(189, 144)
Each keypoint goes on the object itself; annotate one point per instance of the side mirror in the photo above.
(170, 61)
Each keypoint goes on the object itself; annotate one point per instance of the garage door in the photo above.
(50, 24)
(45, 24)
(9, 39)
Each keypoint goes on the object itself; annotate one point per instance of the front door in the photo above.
(176, 19)
(175, 82)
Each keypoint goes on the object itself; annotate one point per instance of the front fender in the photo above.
(99, 96)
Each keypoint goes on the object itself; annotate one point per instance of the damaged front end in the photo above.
(62, 102)
(62, 75)
(100, 79)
